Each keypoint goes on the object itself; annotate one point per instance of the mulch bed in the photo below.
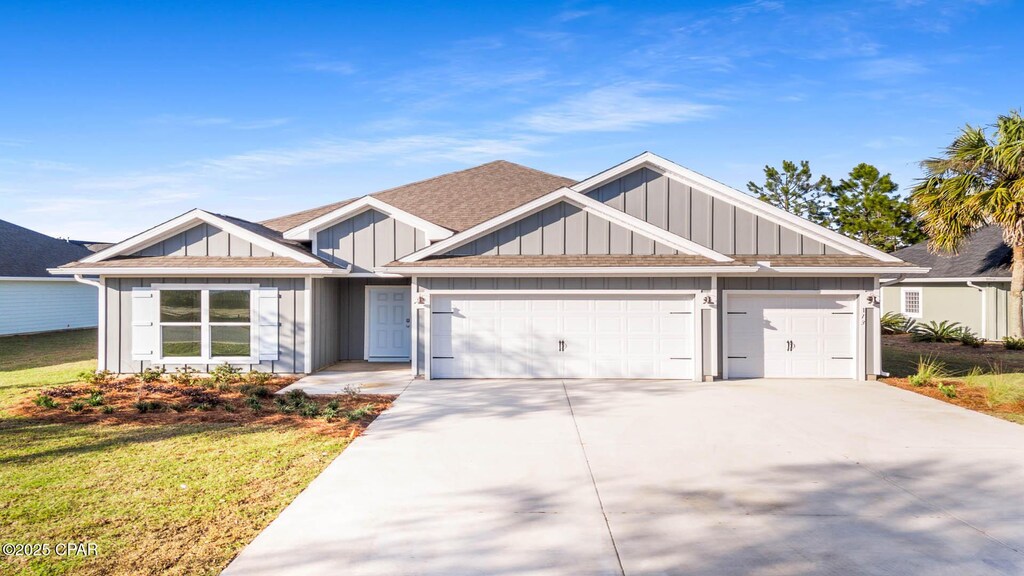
(203, 402)
(970, 397)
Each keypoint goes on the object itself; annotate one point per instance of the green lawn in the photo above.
(169, 499)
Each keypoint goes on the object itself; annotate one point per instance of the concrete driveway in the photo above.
(640, 477)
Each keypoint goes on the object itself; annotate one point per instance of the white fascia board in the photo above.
(186, 221)
(308, 230)
(176, 271)
(941, 280)
(844, 270)
(580, 201)
(781, 217)
(426, 271)
(34, 279)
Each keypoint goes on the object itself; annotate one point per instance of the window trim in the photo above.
(903, 302)
(204, 324)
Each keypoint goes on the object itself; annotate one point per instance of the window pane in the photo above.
(179, 306)
(229, 306)
(180, 341)
(229, 340)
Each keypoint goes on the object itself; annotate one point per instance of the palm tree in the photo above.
(978, 181)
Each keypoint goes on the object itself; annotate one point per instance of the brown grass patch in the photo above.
(172, 403)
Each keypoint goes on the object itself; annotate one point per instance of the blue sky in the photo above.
(117, 116)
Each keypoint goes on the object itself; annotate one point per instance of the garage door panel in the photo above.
(604, 337)
(790, 335)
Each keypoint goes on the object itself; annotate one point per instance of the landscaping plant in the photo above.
(226, 374)
(96, 376)
(969, 338)
(896, 323)
(929, 370)
(933, 331)
(1011, 343)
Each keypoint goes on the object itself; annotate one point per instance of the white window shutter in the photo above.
(268, 324)
(145, 312)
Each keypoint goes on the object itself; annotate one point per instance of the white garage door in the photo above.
(531, 336)
(806, 336)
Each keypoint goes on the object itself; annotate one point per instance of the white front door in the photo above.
(388, 321)
(572, 336)
(790, 336)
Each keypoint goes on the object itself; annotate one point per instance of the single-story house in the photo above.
(644, 270)
(33, 300)
(971, 287)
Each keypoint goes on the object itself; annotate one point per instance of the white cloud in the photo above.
(614, 109)
(338, 67)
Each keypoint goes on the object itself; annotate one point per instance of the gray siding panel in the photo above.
(203, 240)
(698, 216)
(291, 316)
(367, 240)
(351, 313)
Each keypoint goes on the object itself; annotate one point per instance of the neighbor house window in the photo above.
(911, 302)
(205, 324)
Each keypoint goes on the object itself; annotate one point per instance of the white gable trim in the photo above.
(758, 207)
(580, 201)
(308, 230)
(188, 220)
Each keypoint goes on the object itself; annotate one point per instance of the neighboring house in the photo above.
(646, 270)
(971, 287)
(31, 299)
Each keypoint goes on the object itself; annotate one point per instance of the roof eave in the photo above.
(201, 271)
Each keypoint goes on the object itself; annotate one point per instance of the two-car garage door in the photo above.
(562, 336)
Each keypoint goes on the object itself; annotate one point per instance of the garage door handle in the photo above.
(789, 345)
(561, 345)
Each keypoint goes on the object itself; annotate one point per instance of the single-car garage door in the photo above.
(556, 336)
(790, 336)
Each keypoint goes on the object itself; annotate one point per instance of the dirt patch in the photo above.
(130, 401)
(970, 397)
(991, 356)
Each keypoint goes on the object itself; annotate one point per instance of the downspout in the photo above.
(101, 318)
(984, 307)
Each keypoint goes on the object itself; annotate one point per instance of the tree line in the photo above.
(865, 205)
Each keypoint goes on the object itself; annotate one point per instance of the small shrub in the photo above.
(254, 403)
(150, 374)
(309, 409)
(948, 390)
(258, 378)
(224, 387)
(177, 407)
(359, 413)
(257, 390)
(969, 338)
(944, 331)
(1011, 343)
(352, 390)
(226, 374)
(896, 323)
(929, 370)
(203, 406)
(107, 409)
(96, 377)
(76, 406)
(144, 406)
(334, 405)
(95, 399)
(229, 408)
(44, 401)
(184, 376)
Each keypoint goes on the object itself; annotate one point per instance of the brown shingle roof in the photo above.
(572, 260)
(457, 200)
(613, 260)
(200, 262)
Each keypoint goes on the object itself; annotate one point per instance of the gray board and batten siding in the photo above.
(291, 314)
(558, 230)
(367, 240)
(204, 240)
(700, 217)
(339, 317)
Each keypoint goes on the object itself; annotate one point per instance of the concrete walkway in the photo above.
(368, 377)
(641, 477)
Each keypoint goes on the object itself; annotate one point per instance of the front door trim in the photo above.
(370, 288)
